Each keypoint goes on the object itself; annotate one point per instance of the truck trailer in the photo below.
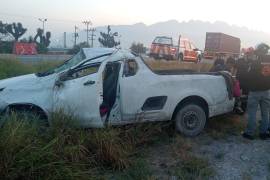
(220, 45)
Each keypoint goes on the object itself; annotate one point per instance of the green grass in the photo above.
(13, 67)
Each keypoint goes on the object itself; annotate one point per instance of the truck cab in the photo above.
(162, 48)
(188, 51)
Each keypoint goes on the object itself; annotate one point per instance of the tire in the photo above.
(30, 115)
(181, 57)
(190, 120)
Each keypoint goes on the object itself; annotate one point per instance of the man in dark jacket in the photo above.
(259, 94)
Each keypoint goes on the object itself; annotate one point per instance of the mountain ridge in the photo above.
(195, 30)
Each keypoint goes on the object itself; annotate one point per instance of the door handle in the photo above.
(88, 83)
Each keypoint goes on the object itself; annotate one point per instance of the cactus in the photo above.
(2, 28)
(16, 30)
(43, 40)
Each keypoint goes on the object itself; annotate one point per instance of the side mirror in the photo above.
(62, 77)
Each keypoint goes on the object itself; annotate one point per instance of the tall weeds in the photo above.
(65, 151)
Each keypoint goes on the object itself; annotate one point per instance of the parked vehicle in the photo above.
(103, 86)
(221, 45)
(162, 47)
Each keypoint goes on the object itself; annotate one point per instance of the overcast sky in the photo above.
(62, 15)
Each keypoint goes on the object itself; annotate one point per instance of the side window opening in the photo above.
(130, 68)
(83, 71)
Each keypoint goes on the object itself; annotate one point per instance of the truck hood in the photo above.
(29, 81)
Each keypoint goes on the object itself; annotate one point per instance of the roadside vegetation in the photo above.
(64, 151)
(224, 126)
(10, 67)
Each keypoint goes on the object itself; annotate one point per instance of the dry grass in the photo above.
(224, 126)
(176, 65)
(190, 165)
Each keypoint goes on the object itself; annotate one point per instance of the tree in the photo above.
(78, 47)
(16, 30)
(138, 48)
(3, 28)
(44, 41)
(107, 39)
(262, 49)
(3, 32)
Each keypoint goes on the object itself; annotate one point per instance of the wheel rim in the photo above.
(190, 120)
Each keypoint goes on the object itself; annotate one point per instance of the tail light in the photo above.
(103, 110)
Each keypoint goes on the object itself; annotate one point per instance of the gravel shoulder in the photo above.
(230, 157)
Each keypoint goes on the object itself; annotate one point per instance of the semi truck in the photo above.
(220, 45)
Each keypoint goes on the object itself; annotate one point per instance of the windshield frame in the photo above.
(52, 71)
(84, 60)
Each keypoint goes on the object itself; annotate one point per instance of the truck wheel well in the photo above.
(28, 107)
(192, 99)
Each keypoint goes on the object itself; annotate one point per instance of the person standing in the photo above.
(259, 95)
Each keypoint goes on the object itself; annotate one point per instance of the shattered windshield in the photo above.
(76, 59)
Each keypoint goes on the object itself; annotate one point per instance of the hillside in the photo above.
(195, 30)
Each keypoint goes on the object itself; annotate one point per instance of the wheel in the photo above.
(30, 114)
(190, 120)
(181, 57)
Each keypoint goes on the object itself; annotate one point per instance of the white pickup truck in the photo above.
(102, 86)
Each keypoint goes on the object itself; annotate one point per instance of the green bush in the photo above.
(6, 47)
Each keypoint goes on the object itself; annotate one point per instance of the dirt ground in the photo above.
(230, 157)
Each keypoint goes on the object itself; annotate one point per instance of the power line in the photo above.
(92, 36)
(87, 23)
(76, 35)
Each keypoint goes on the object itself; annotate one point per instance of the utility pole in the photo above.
(76, 35)
(43, 22)
(92, 30)
(87, 23)
(65, 40)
